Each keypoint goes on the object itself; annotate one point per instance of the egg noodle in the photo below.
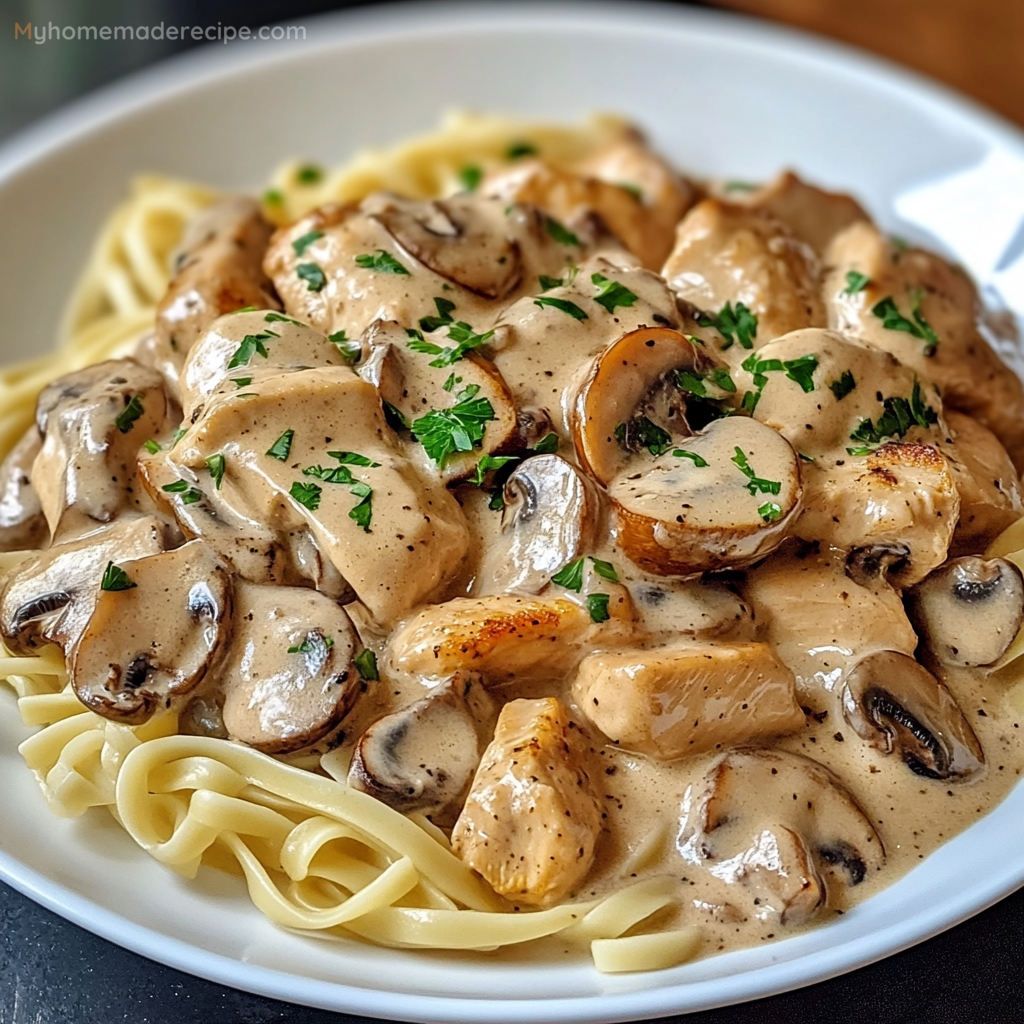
(315, 854)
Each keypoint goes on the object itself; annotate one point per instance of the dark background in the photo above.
(52, 972)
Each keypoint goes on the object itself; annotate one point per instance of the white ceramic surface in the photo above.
(722, 97)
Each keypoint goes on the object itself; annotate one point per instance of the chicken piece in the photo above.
(507, 636)
(217, 270)
(22, 523)
(990, 492)
(532, 818)
(94, 421)
(931, 309)
(686, 699)
(727, 255)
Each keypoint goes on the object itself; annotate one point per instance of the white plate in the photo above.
(719, 96)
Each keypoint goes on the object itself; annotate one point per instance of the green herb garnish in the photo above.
(605, 570)
(307, 494)
(734, 324)
(699, 461)
(561, 304)
(547, 445)
(280, 318)
(282, 447)
(470, 176)
(547, 283)
(301, 244)
(597, 605)
(843, 385)
(315, 643)
(125, 419)
(216, 464)
(349, 349)
(640, 432)
(487, 463)
(561, 234)
(151, 446)
(893, 320)
(855, 282)
(757, 483)
(366, 664)
(443, 432)
(800, 370)
(309, 174)
(898, 417)
(445, 307)
(770, 511)
(381, 261)
(520, 149)
(115, 578)
(570, 575)
(465, 337)
(611, 294)
(251, 344)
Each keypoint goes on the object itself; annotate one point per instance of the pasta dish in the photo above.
(506, 538)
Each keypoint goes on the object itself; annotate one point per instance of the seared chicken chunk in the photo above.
(532, 818)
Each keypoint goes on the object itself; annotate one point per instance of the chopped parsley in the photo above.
(366, 664)
(307, 494)
(189, 495)
(799, 370)
(640, 432)
(465, 337)
(634, 190)
(734, 324)
(443, 432)
(697, 460)
(151, 446)
(756, 483)
(241, 382)
(561, 304)
(559, 232)
(313, 275)
(381, 261)
(282, 447)
(520, 149)
(898, 417)
(315, 643)
(301, 244)
(243, 309)
(178, 435)
(770, 511)
(251, 344)
(273, 197)
(450, 383)
(605, 570)
(362, 512)
(309, 174)
(125, 419)
(893, 320)
(353, 459)
(349, 349)
(694, 382)
(597, 605)
(611, 294)
(750, 400)
(842, 385)
(279, 318)
(115, 578)
(547, 283)
(487, 463)
(547, 445)
(570, 575)
(445, 308)
(470, 176)
(216, 464)
(855, 282)
(394, 417)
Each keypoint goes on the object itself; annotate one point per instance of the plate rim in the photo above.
(340, 30)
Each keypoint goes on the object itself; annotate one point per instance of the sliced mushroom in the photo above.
(217, 270)
(701, 608)
(898, 706)
(724, 498)
(289, 677)
(49, 597)
(532, 818)
(968, 611)
(549, 518)
(783, 827)
(618, 381)
(672, 702)
(424, 756)
(94, 422)
(155, 636)
(506, 636)
(22, 523)
(409, 383)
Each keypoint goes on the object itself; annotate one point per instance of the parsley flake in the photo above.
(559, 232)
(307, 494)
(366, 664)
(520, 149)
(547, 445)
(445, 307)
(699, 461)
(151, 446)
(611, 294)
(640, 432)
(350, 349)
(770, 511)
(470, 176)
(898, 416)
(273, 197)
(115, 578)
(216, 464)
(799, 370)
(734, 324)
(189, 495)
(301, 244)
(487, 463)
(547, 283)
(125, 419)
(842, 385)
(241, 382)
(561, 304)
(381, 261)
(855, 282)
(282, 447)
(279, 318)
(756, 484)
(597, 605)
(605, 570)
(251, 344)
(570, 575)
(315, 643)
(893, 320)
(309, 174)
(465, 337)
(443, 432)
(313, 275)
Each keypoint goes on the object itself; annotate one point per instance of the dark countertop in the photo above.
(52, 972)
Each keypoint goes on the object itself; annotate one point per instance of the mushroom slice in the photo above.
(968, 611)
(22, 523)
(49, 597)
(153, 638)
(409, 383)
(671, 702)
(217, 270)
(94, 422)
(779, 824)
(898, 706)
(531, 820)
(289, 677)
(549, 518)
(618, 381)
(424, 756)
(506, 636)
(464, 238)
(724, 498)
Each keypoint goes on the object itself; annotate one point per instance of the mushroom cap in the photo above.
(898, 706)
(780, 824)
(22, 524)
(550, 518)
(683, 516)
(288, 678)
(423, 757)
(969, 610)
(618, 380)
(145, 646)
(49, 597)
